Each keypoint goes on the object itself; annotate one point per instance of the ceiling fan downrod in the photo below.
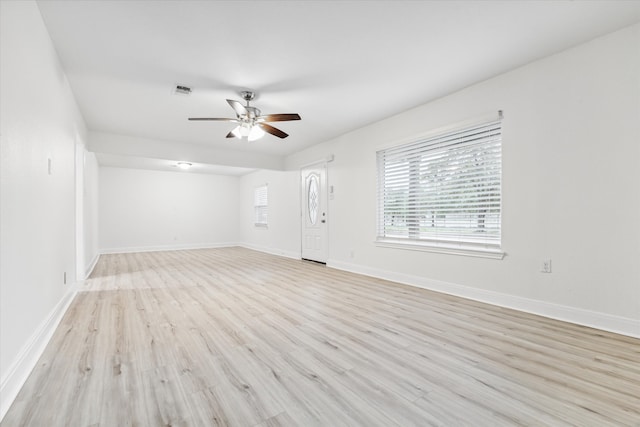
(247, 95)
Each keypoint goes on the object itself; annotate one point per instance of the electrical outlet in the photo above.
(545, 267)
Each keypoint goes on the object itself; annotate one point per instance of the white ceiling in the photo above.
(340, 64)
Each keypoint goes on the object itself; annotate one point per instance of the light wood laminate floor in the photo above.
(236, 337)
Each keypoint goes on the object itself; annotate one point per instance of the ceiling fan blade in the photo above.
(218, 119)
(237, 107)
(273, 131)
(280, 117)
(233, 133)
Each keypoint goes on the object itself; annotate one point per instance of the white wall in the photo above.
(39, 121)
(152, 210)
(571, 188)
(281, 236)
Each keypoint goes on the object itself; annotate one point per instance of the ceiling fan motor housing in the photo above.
(252, 113)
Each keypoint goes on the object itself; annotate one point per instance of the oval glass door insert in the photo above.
(312, 199)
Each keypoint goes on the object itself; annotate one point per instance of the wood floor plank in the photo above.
(234, 337)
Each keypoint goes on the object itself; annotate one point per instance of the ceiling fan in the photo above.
(251, 124)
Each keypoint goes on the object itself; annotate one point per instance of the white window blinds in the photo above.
(444, 190)
(261, 205)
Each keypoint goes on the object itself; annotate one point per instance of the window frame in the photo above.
(426, 142)
(261, 206)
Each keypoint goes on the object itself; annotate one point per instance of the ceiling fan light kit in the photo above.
(251, 123)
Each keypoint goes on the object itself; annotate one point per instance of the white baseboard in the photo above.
(272, 251)
(166, 248)
(603, 321)
(26, 360)
(91, 266)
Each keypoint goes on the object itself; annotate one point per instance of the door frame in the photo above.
(324, 189)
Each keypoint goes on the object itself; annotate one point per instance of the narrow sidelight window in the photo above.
(261, 205)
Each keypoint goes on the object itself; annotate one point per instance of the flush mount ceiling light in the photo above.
(251, 124)
(183, 165)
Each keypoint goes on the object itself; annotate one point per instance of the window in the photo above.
(444, 192)
(261, 205)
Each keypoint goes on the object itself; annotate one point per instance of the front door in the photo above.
(314, 213)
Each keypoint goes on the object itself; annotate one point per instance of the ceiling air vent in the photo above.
(182, 90)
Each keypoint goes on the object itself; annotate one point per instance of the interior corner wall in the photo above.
(282, 234)
(142, 210)
(571, 188)
(39, 127)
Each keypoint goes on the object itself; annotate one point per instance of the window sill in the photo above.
(443, 248)
(261, 225)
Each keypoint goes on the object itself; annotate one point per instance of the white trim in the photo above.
(272, 251)
(593, 319)
(166, 248)
(28, 356)
(91, 266)
(442, 248)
